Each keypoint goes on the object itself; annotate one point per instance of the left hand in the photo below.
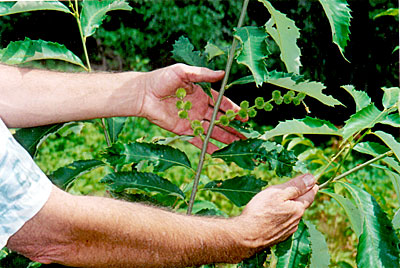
(159, 106)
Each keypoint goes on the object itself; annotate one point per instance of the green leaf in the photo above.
(391, 97)
(295, 251)
(94, 12)
(13, 7)
(361, 98)
(391, 120)
(255, 261)
(253, 51)
(338, 14)
(320, 257)
(285, 33)
(364, 119)
(390, 142)
(353, 213)
(239, 190)
(212, 51)
(63, 176)
(378, 243)
(161, 156)
(307, 125)
(388, 12)
(29, 50)
(396, 220)
(147, 182)
(310, 88)
(244, 129)
(31, 138)
(395, 179)
(249, 153)
(115, 126)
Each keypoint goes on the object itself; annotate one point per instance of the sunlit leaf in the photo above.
(253, 51)
(339, 17)
(94, 12)
(320, 257)
(213, 51)
(29, 50)
(249, 153)
(361, 98)
(295, 251)
(115, 126)
(161, 156)
(388, 12)
(390, 142)
(285, 33)
(148, 182)
(63, 176)
(31, 138)
(239, 190)
(307, 125)
(378, 243)
(364, 119)
(391, 120)
(391, 97)
(13, 7)
(396, 220)
(352, 212)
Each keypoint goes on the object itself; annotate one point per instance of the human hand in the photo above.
(160, 108)
(274, 214)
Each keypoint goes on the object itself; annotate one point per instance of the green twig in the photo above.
(83, 38)
(379, 157)
(215, 112)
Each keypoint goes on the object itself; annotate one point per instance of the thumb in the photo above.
(200, 74)
(298, 186)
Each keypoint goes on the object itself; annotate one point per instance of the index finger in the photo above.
(297, 187)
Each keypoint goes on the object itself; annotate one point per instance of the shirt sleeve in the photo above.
(24, 188)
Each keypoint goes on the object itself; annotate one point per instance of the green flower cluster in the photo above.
(183, 112)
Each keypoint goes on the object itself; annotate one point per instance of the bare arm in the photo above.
(100, 232)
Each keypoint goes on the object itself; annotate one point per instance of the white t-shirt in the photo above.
(24, 188)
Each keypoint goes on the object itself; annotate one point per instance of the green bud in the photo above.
(301, 96)
(187, 106)
(244, 105)
(224, 120)
(179, 104)
(291, 93)
(183, 114)
(268, 107)
(296, 101)
(195, 123)
(243, 113)
(180, 93)
(230, 114)
(259, 102)
(252, 113)
(287, 98)
(279, 101)
(276, 95)
(198, 131)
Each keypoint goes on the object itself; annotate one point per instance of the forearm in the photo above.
(36, 97)
(99, 232)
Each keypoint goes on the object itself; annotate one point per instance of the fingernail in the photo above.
(309, 180)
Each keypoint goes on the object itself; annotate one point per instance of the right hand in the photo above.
(274, 214)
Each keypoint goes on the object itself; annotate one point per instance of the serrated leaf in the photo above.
(395, 179)
(115, 126)
(244, 129)
(249, 153)
(353, 213)
(320, 257)
(31, 138)
(148, 182)
(391, 97)
(391, 120)
(390, 142)
(13, 7)
(295, 251)
(388, 12)
(63, 176)
(212, 51)
(239, 190)
(285, 33)
(255, 261)
(161, 156)
(253, 51)
(310, 88)
(396, 220)
(361, 98)
(273, 75)
(378, 243)
(94, 12)
(29, 50)
(364, 119)
(307, 125)
(339, 17)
